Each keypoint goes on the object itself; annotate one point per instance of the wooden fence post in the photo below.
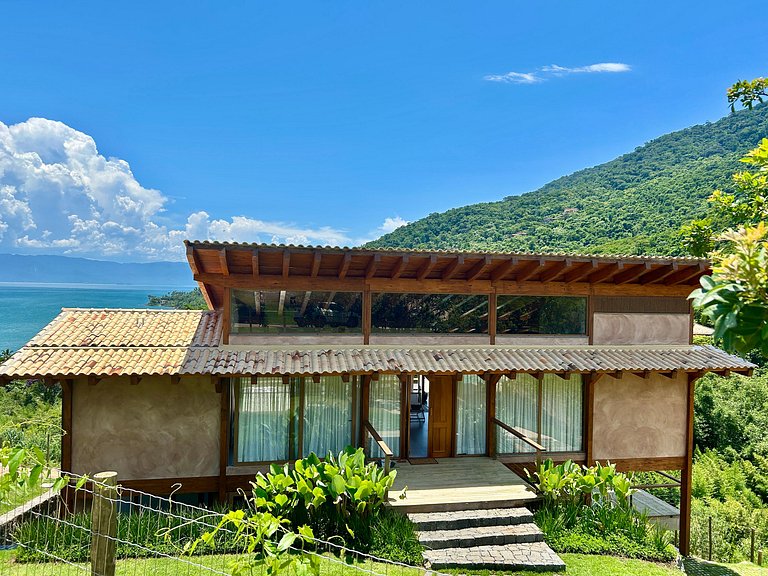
(752, 545)
(104, 524)
(710, 538)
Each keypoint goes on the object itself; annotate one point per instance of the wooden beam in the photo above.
(555, 270)
(580, 272)
(286, 263)
(224, 426)
(492, 314)
(226, 316)
(452, 268)
(93, 380)
(685, 274)
(373, 265)
(67, 386)
(659, 273)
(317, 256)
(194, 262)
(528, 270)
(223, 264)
(400, 265)
(344, 266)
(478, 268)
(632, 273)
(589, 418)
(503, 269)
(134, 380)
(605, 273)
(255, 263)
(427, 267)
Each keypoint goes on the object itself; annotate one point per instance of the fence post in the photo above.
(710, 538)
(103, 524)
(752, 545)
(760, 557)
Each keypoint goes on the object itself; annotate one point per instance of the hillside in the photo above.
(63, 269)
(634, 204)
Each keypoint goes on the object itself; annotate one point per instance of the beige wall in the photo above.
(640, 418)
(155, 429)
(620, 328)
(540, 340)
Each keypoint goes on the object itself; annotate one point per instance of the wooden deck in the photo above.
(458, 484)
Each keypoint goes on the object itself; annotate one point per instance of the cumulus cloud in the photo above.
(553, 70)
(58, 194)
(392, 224)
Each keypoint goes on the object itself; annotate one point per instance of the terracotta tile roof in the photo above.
(77, 327)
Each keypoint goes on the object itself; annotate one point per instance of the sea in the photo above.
(25, 308)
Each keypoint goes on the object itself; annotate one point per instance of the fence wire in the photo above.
(52, 536)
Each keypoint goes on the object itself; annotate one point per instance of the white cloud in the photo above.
(59, 195)
(553, 70)
(391, 224)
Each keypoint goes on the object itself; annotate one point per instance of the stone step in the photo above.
(480, 536)
(533, 556)
(470, 518)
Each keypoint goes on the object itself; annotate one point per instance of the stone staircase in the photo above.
(490, 539)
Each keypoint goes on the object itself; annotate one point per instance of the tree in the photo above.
(735, 296)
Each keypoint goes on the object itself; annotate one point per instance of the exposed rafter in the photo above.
(223, 263)
(373, 265)
(501, 270)
(344, 266)
(528, 269)
(580, 272)
(427, 267)
(605, 273)
(478, 268)
(317, 256)
(555, 269)
(632, 273)
(255, 263)
(659, 274)
(286, 263)
(399, 267)
(453, 267)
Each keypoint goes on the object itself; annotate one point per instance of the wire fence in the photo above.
(102, 529)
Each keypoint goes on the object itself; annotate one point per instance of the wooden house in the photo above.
(450, 357)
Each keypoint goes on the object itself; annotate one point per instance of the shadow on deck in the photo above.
(468, 483)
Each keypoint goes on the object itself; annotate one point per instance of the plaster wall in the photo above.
(638, 417)
(155, 429)
(623, 328)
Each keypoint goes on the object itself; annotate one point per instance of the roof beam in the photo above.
(659, 274)
(685, 274)
(451, 269)
(605, 272)
(344, 266)
(255, 264)
(373, 265)
(316, 257)
(632, 273)
(402, 262)
(223, 262)
(501, 271)
(478, 268)
(581, 272)
(286, 263)
(528, 270)
(555, 270)
(427, 267)
(194, 262)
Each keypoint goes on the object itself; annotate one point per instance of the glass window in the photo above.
(264, 420)
(384, 413)
(285, 312)
(541, 315)
(471, 415)
(429, 313)
(517, 406)
(327, 415)
(562, 413)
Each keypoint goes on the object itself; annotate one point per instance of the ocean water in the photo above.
(26, 308)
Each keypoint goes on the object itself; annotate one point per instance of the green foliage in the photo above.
(393, 537)
(180, 300)
(634, 204)
(747, 92)
(337, 496)
(588, 510)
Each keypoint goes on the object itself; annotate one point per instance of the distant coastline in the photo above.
(89, 285)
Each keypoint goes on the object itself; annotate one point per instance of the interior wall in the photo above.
(636, 417)
(154, 429)
(630, 328)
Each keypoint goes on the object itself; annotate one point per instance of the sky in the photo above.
(126, 129)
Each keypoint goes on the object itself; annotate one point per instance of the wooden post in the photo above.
(686, 476)
(589, 407)
(759, 557)
(224, 427)
(367, 304)
(492, 304)
(752, 545)
(104, 524)
(226, 316)
(710, 538)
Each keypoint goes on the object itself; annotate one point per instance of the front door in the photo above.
(440, 416)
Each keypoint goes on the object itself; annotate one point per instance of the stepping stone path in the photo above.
(495, 539)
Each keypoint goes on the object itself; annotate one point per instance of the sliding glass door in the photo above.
(264, 420)
(328, 414)
(471, 415)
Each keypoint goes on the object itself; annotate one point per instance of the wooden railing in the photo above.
(368, 427)
(517, 434)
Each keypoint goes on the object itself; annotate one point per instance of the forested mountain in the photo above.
(634, 204)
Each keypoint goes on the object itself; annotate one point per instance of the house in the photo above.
(517, 356)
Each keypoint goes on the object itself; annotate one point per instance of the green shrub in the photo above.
(393, 537)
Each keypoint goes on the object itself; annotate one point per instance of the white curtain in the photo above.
(517, 406)
(562, 414)
(327, 415)
(384, 413)
(471, 415)
(264, 420)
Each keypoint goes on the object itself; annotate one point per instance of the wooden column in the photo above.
(367, 299)
(589, 410)
(454, 411)
(490, 402)
(226, 322)
(686, 476)
(224, 427)
(590, 318)
(492, 317)
(66, 425)
(365, 395)
(405, 413)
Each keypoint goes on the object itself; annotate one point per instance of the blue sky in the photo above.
(318, 121)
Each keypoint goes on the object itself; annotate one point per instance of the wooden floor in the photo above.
(458, 484)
